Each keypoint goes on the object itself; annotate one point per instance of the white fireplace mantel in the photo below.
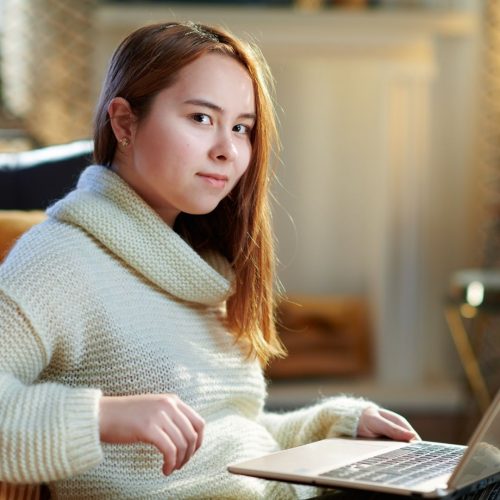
(280, 25)
(292, 32)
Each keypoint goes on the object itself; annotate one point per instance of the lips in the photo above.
(215, 180)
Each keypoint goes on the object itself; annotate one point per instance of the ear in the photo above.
(122, 118)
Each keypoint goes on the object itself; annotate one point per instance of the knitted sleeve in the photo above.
(47, 431)
(332, 417)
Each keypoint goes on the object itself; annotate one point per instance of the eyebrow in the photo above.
(210, 105)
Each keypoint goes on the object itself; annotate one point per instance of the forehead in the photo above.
(218, 78)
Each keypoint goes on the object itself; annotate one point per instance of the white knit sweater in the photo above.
(105, 298)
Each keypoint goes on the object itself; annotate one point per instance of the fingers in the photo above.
(401, 426)
(167, 448)
(395, 431)
(181, 439)
(183, 429)
(375, 422)
(395, 418)
(162, 420)
(197, 423)
(183, 434)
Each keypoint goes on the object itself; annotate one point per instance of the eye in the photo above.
(201, 118)
(242, 129)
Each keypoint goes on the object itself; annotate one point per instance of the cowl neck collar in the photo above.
(107, 208)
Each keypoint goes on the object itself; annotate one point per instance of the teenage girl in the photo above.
(135, 321)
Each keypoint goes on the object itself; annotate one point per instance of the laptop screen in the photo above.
(482, 458)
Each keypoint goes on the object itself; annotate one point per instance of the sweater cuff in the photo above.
(82, 425)
(348, 411)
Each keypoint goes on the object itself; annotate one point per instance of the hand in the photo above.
(377, 422)
(162, 420)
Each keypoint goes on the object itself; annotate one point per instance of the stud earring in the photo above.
(124, 141)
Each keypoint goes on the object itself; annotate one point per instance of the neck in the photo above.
(129, 175)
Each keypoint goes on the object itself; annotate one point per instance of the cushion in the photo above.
(19, 492)
(13, 223)
(325, 336)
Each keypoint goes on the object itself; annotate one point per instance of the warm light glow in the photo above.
(475, 293)
(468, 311)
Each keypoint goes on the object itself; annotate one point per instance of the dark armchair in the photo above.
(32, 180)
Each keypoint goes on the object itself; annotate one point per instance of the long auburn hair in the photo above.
(144, 64)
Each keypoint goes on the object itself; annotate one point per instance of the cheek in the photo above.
(245, 156)
(168, 151)
(163, 135)
(242, 168)
(185, 148)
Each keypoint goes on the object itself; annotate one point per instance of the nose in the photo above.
(224, 149)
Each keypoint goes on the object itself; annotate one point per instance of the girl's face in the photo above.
(193, 146)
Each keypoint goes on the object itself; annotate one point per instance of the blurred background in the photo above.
(387, 189)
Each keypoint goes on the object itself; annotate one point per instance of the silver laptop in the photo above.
(426, 469)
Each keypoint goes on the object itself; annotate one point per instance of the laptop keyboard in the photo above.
(402, 467)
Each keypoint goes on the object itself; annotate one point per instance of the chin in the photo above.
(202, 210)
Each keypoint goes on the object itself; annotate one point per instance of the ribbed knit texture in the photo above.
(105, 298)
